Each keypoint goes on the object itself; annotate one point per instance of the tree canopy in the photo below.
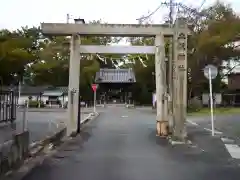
(213, 42)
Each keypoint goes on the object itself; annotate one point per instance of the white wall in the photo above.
(154, 99)
(217, 96)
(24, 98)
(205, 98)
(44, 99)
(65, 99)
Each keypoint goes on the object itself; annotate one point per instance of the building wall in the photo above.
(217, 97)
(63, 99)
(25, 98)
(44, 99)
(154, 99)
(234, 81)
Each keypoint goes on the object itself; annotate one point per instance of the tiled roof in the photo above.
(31, 90)
(115, 76)
(52, 93)
(36, 90)
(63, 89)
(28, 90)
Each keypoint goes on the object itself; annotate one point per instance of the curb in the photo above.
(41, 142)
(90, 117)
(36, 147)
(38, 151)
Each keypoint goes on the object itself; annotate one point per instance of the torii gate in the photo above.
(178, 67)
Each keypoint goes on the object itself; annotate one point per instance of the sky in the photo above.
(17, 13)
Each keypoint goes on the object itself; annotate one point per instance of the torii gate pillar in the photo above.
(160, 74)
(73, 85)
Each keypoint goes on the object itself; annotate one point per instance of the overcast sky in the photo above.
(17, 13)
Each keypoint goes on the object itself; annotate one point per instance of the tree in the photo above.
(52, 66)
(15, 54)
(212, 43)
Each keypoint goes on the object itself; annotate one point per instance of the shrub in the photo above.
(194, 105)
(35, 104)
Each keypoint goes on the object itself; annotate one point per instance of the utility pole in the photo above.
(170, 71)
(171, 8)
(68, 18)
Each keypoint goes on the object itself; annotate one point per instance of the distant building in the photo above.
(234, 81)
(29, 92)
(232, 95)
(46, 94)
(55, 95)
(114, 85)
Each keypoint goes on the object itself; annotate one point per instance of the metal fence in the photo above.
(8, 104)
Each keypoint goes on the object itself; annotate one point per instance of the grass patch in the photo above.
(217, 111)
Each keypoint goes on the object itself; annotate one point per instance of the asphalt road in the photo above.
(121, 145)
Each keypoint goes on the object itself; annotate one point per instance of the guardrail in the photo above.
(8, 104)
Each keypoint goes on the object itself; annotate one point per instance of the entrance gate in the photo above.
(174, 91)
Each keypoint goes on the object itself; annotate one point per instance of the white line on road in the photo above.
(234, 150)
(215, 131)
(193, 123)
(86, 118)
(227, 140)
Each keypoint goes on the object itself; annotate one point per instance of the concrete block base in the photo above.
(173, 141)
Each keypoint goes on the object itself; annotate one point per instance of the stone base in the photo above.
(176, 141)
(162, 128)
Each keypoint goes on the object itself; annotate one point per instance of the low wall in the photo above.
(13, 152)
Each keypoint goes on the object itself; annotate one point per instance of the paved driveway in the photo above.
(39, 124)
(229, 125)
(121, 145)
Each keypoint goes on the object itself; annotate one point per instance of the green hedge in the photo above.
(35, 104)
